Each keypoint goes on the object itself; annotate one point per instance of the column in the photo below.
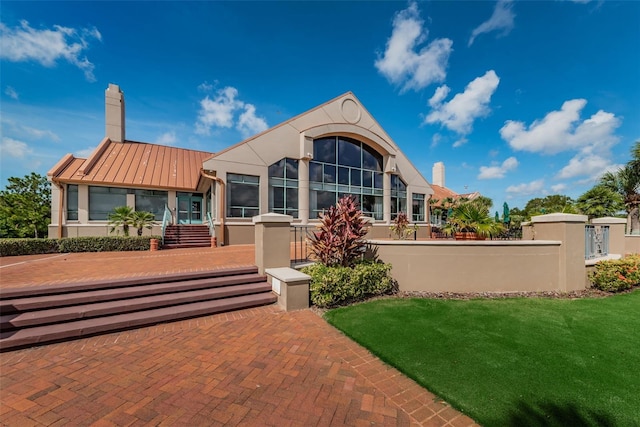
(272, 241)
(303, 191)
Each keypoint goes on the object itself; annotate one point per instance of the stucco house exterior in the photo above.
(299, 168)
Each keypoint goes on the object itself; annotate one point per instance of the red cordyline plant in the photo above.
(340, 238)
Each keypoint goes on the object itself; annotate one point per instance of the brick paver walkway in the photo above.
(252, 367)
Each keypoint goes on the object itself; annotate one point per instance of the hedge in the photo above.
(617, 275)
(13, 247)
(333, 286)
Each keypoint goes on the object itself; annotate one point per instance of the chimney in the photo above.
(438, 174)
(114, 113)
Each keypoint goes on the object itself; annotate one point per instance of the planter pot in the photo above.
(153, 245)
(468, 235)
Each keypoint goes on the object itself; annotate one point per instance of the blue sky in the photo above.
(518, 99)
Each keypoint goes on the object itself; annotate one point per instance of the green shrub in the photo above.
(616, 275)
(13, 247)
(106, 244)
(337, 285)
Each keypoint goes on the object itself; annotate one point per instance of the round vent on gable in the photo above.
(350, 111)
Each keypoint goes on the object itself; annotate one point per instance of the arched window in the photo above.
(343, 166)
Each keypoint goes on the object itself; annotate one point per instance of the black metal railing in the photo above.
(300, 245)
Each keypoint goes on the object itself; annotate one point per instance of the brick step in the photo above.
(61, 288)
(42, 314)
(84, 311)
(185, 245)
(87, 327)
(29, 303)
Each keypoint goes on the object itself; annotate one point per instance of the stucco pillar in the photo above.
(569, 229)
(386, 198)
(303, 191)
(616, 233)
(272, 241)
(131, 201)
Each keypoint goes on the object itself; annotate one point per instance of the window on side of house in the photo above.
(103, 200)
(243, 194)
(283, 187)
(152, 201)
(72, 202)
(398, 196)
(418, 207)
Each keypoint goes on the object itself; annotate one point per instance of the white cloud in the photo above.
(222, 111)
(559, 130)
(440, 94)
(498, 171)
(435, 140)
(217, 112)
(27, 132)
(11, 92)
(459, 113)
(205, 87)
(527, 189)
(564, 130)
(558, 188)
(47, 46)
(587, 164)
(460, 142)
(501, 19)
(401, 64)
(167, 138)
(84, 153)
(13, 148)
(250, 124)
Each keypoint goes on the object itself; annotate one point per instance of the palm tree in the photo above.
(472, 218)
(122, 216)
(142, 219)
(626, 182)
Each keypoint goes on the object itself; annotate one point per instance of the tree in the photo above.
(549, 204)
(600, 201)
(122, 216)
(25, 207)
(626, 182)
(142, 219)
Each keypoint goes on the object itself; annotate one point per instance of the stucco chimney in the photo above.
(438, 174)
(114, 113)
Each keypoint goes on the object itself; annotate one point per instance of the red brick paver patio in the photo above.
(253, 367)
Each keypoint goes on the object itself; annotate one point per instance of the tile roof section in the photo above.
(440, 193)
(134, 164)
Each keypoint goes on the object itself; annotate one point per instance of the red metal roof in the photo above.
(134, 164)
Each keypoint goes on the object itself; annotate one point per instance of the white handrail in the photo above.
(166, 220)
(212, 228)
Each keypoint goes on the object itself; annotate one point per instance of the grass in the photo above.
(513, 362)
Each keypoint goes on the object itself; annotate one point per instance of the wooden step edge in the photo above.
(44, 302)
(61, 288)
(88, 327)
(85, 311)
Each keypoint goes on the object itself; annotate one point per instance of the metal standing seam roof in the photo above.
(134, 164)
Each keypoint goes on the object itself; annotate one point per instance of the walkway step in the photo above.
(36, 315)
(73, 298)
(83, 328)
(75, 312)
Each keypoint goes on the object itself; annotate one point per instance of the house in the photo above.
(298, 168)
(443, 198)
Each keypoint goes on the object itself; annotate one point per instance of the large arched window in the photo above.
(343, 166)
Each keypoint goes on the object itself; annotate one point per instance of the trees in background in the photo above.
(25, 207)
(626, 183)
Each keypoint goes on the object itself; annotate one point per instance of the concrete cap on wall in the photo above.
(559, 217)
(609, 220)
(272, 217)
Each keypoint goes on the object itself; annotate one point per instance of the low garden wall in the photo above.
(474, 266)
(632, 244)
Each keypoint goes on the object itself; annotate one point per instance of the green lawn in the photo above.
(513, 362)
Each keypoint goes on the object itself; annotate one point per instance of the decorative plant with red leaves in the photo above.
(339, 240)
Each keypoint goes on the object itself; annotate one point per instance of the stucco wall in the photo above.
(632, 244)
(473, 266)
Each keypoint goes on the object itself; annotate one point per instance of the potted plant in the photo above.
(470, 221)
